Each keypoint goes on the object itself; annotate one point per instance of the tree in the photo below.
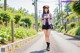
(67, 7)
(75, 7)
(23, 11)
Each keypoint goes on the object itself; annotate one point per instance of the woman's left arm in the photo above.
(51, 18)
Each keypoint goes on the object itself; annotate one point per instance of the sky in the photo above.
(27, 4)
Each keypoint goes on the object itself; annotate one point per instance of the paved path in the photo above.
(59, 44)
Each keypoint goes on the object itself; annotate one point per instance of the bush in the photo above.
(61, 28)
(27, 21)
(75, 31)
(63, 31)
(78, 23)
(0, 20)
(5, 17)
(56, 23)
(17, 18)
(71, 16)
(72, 24)
(4, 35)
(19, 33)
(78, 31)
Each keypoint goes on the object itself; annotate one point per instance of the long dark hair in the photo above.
(44, 7)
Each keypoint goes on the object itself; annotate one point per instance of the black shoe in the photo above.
(48, 46)
(48, 49)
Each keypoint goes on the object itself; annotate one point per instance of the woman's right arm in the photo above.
(42, 20)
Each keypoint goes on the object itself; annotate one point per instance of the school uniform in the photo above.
(46, 24)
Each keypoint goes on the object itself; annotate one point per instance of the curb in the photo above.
(75, 36)
(9, 48)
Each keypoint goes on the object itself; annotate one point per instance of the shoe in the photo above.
(48, 49)
(48, 46)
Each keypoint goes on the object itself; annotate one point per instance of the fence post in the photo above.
(12, 30)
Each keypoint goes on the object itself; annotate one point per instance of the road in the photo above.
(59, 44)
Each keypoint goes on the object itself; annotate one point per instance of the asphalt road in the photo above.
(59, 44)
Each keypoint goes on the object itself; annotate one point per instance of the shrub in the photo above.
(19, 33)
(72, 24)
(27, 21)
(63, 31)
(61, 28)
(78, 23)
(78, 31)
(0, 20)
(5, 17)
(17, 18)
(4, 35)
(75, 31)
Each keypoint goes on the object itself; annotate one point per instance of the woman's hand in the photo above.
(45, 16)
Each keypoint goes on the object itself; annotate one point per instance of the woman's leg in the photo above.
(47, 35)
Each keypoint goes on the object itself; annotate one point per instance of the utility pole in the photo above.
(36, 16)
(59, 4)
(5, 5)
(62, 13)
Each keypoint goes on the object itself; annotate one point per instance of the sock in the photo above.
(48, 44)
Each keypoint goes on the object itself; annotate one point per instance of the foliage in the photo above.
(4, 35)
(61, 28)
(56, 23)
(19, 33)
(5, 16)
(75, 7)
(71, 16)
(27, 21)
(72, 24)
(17, 18)
(67, 7)
(78, 23)
(74, 31)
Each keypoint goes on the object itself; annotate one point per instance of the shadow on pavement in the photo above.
(40, 51)
(73, 39)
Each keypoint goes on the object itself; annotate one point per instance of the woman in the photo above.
(46, 25)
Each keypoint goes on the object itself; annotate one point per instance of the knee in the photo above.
(47, 36)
